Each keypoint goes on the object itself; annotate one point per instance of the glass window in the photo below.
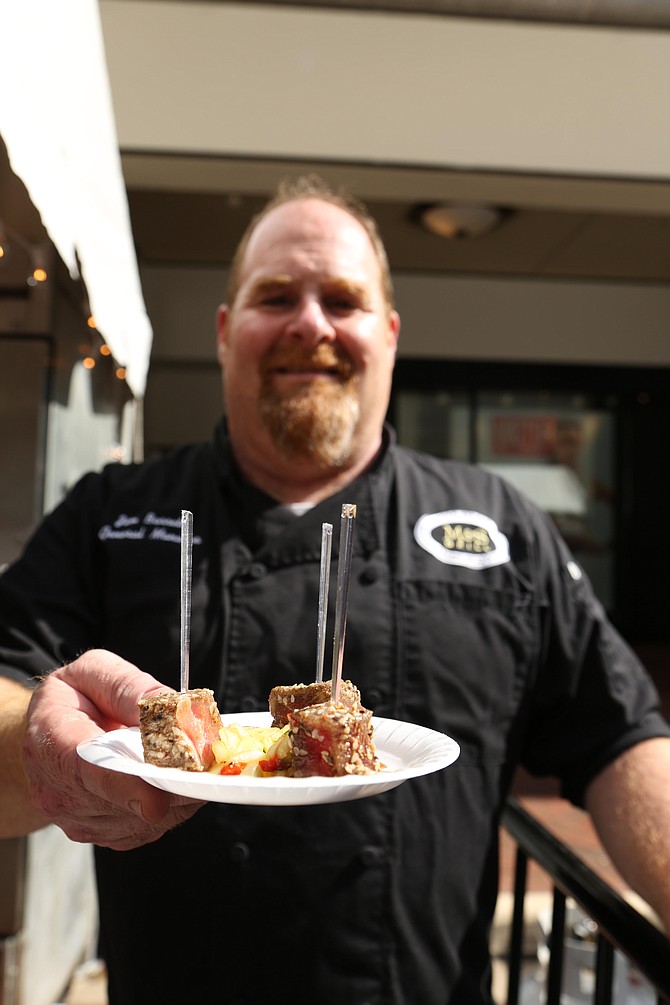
(437, 422)
(558, 450)
(556, 447)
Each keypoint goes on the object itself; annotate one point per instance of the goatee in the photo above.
(317, 421)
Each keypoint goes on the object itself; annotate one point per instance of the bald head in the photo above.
(313, 187)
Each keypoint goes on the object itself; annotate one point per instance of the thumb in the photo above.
(111, 683)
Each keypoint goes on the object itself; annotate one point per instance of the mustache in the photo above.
(330, 358)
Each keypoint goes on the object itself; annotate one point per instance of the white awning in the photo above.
(57, 121)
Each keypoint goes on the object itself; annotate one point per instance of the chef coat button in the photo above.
(240, 852)
(249, 703)
(371, 855)
(257, 570)
(369, 575)
(373, 698)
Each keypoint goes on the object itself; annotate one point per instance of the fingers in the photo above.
(127, 793)
(121, 831)
(145, 835)
(94, 693)
(108, 809)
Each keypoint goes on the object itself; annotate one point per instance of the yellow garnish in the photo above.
(244, 743)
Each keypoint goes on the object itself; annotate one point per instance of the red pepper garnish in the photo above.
(234, 768)
(271, 764)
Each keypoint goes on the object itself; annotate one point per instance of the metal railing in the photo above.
(619, 925)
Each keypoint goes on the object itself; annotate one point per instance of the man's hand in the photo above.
(93, 694)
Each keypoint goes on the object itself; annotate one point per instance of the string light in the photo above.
(37, 253)
(92, 348)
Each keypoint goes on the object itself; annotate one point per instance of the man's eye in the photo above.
(342, 304)
(276, 300)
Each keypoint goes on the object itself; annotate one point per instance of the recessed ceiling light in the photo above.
(454, 220)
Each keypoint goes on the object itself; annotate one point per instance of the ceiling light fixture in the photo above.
(458, 220)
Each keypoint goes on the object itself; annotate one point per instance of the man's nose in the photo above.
(310, 322)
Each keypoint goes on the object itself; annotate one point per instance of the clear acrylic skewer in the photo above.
(324, 583)
(185, 596)
(342, 597)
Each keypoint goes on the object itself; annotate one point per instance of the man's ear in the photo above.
(221, 332)
(394, 329)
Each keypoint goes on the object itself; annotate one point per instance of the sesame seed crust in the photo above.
(332, 739)
(165, 742)
(286, 698)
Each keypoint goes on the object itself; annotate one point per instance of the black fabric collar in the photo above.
(274, 534)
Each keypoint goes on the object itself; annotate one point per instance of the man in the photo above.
(466, 614)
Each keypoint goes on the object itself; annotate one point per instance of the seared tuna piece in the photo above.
(331, 739)
(287, 698)
(178, 729)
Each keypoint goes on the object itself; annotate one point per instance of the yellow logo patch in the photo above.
(462, 537)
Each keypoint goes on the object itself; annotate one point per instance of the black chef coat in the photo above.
(466, 614)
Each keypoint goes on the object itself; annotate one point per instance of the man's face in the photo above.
(309, 344)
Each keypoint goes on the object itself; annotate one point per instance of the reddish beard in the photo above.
(315, 421)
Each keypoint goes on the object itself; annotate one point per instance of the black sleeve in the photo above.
(593, 698)
(49, 609)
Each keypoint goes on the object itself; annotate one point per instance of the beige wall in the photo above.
(452, 317)
(242, 79)
(557, 116)
(615, 324)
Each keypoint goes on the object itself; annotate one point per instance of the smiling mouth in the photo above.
(307, 371)
(324, 363)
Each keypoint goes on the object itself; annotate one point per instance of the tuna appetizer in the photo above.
(178, 729)
(311, 734)
(331, 739)
(287, 698)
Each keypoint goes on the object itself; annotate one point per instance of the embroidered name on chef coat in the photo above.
(150, 527)
(462, 537)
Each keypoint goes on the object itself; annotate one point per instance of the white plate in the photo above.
(406, 750)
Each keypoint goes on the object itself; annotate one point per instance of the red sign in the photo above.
(522, 435)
